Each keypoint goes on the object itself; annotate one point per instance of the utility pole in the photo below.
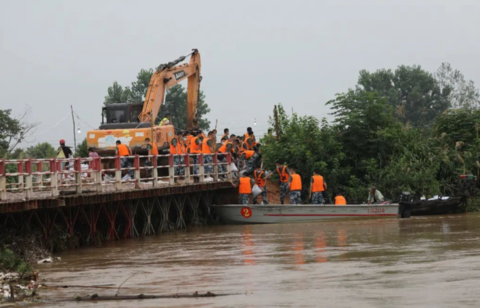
(276, 119)
(74, 136)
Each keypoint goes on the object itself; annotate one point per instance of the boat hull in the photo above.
(274, 214)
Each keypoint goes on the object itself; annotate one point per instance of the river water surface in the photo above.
(418, 262)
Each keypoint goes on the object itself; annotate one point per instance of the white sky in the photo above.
(255, 54)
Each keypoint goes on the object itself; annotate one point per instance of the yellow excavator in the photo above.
(131, 123)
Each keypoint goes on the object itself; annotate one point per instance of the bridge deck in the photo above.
(44, 183)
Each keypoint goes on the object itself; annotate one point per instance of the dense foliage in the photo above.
(396, 131)
(368, 146)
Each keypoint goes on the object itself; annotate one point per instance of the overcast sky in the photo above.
(254, 53)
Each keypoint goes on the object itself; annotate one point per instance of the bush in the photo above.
(9, 262)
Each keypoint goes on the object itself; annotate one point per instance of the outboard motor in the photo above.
(406, 200)
(406, 197)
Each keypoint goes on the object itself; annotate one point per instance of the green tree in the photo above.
(414, 93)
(82, 149)
(176, 105)
(463, 93)
(41, 150)
(13, 130)
(139, 88)
(359, 117)
(117, 94)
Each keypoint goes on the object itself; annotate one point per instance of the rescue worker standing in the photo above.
(64, 152)
(295, 187)
(152, 150)
(245, 184)
(195, 148)
(249, 140)
(208, 152)
(124, 151)
(284, 174)
(317, 187)
(226, 132)
(261, 181)
(225, 148)
(177, 149)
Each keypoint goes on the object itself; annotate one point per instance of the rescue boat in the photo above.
(274, 214)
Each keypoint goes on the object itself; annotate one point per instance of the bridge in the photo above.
(89, 199)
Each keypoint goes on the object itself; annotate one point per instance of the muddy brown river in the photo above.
(418, 262)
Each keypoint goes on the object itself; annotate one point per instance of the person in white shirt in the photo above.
(375, 196)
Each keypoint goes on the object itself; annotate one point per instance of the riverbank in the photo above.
(19, 253)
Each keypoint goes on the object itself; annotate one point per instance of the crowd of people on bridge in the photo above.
(245, 153)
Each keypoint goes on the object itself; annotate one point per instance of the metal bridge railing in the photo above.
(23, 178)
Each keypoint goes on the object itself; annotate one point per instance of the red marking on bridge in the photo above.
(333, 215)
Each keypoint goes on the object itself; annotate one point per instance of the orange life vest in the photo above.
(296, 183)
(205, 147)
(173, 149)
(340, 200)
(189, 140)
(283, 175)
(223, 148)
(317, 185)
(247, 145)
(154, 148)
(123, 150)
(245, 186)
(194, 147)
(249, 154)
(258, 178)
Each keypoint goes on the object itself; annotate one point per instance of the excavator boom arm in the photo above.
(166, 77)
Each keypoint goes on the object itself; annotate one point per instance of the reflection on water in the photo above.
(418, 262)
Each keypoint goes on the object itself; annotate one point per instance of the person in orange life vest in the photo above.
(208, 151)
(188, 139)
(177, 148)
(284, 175)
(123, 151)
(152, 150)
(244, 184)
(340, 200)
(260, 178)
(225, 148)
(249, 141)
(195, 149)
(317, 187)
(295, 182)
(252, 159)
(226, 133)
(214, 135)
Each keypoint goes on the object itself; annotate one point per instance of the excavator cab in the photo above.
(132, 123)
(124, 115)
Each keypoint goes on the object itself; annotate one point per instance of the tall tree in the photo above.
(139, 88)
(13, 130)
(176, 105)
(413, 92)
(117, 94)
(82, 149)
(463, 93)
(41, 150)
